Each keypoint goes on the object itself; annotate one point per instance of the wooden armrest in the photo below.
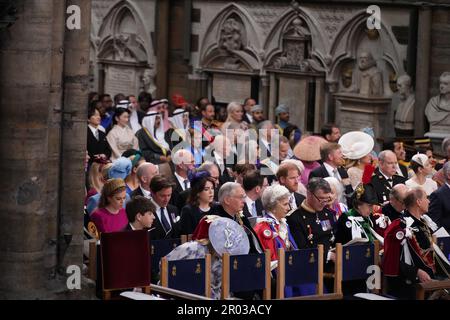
(430, 286)
(328, 275)
(176, 293)
(327, 296)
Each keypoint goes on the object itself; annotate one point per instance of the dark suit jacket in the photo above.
(158, 231)
(382, 186)
(321, 172)
(136, 192)
(389, 211)
(259, 209)
(100, 146)
(439, 209)
(149, 149)
(404, 170)
(176, 191)
(298, 199)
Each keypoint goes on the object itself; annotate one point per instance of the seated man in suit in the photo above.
(145, 173)
(253, 183)
(332, 158)
(220, 152)
(440, 201)
(394, 209)
(183, 161)
(385, 176)
(288, 175)
(398, 148)
(140, 213)
(166, 224)
(231, 198)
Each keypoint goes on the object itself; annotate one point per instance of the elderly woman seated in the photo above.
(273, 231)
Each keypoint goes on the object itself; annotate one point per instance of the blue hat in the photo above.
(121, 168)
(227, 236)
(281, 108)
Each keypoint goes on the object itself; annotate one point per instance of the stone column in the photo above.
(423, 69)
(162, 50)
(265, 84)
(73, 147)
(25, 77)
(272, 97)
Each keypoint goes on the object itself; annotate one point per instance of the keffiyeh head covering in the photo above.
(157, 134)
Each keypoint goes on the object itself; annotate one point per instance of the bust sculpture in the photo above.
(404, 113)
(368, 78)
(438, 108)
(147, 82)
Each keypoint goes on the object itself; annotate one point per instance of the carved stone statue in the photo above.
(404, 113)
(438, 108)
(147, 82)
(368, 78)
(231, 35)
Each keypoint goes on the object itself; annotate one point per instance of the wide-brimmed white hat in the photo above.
(356, 144)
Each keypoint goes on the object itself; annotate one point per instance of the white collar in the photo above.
(181, 180)
(131, 226)
(93, 129)
(448, 184)
(249, 203)
(146, 193)
(385, 176)
(330, 169)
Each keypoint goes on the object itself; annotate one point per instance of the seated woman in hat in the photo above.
(308, 152)
(154, 143)
(364, 221)
(422, 167)
(357, 148)
(110, 216)
(214, 235)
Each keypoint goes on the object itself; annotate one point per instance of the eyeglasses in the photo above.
(322, 201)
(240, 196)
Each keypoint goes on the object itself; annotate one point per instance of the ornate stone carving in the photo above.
(265, 15)
(404, 113)
(438, 108)
(368, 79)
(231, 35)
(296, 46)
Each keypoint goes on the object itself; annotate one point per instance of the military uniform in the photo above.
(382, 186)
(407, 248)
(310, 228)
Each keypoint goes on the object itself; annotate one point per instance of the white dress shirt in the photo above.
(181, 181)
(146, 193)
(331, 171)
(158, 213)
(94, 131)
(250, 203)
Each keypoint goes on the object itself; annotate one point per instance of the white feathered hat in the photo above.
(356, 144)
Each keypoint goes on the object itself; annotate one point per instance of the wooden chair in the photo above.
(125, 261)
(352, 263)
(444, 244)
(247, 273)
(191, 275)
(93, 231)
(303, 266)
(160, 248)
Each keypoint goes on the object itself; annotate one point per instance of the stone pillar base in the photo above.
(357, 112)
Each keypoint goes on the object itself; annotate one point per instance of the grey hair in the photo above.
(446, 170)
(333, 182)
(264, 124)
(207, 166)
(143, 169)
(445, 74)
(272, 195)
(383, 154)
(315, 184)
(226, 190)
(445, 144)
(395, 191)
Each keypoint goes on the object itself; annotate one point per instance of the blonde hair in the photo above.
(110, 188)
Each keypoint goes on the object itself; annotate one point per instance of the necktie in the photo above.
(254, 212)
(96, 135)
(165, 223)
(186, 184)
(336, 174)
